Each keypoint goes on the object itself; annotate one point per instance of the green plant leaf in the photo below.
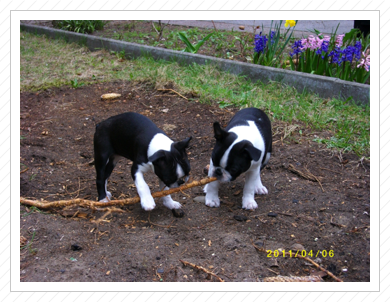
(201, 42)
(189, 48)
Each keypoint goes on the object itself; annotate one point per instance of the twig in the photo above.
(201, 268)
(23, 171)
(308, 175)
(214, 25)
(263, 250)
(293, 279)
(330, 170)
(159, 32)
(119, 202)
(285, 214)
(316, 179)
(302, 174)
(173, 92)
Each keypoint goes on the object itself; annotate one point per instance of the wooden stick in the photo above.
(293, 279)
(308, 175)
(316, 179)
(119, 202)
(302, 174)
(263, 250)
(173, 92)
(201, 268)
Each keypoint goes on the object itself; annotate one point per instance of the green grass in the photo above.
(41, 68)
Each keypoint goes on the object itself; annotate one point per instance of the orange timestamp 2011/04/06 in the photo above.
(302, 253)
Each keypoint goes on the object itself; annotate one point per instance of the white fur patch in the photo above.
(159, 142)
(167, 200)
(179, 171)
(147, 201)
(249, 133)
(267, 158)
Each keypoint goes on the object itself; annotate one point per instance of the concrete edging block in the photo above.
(325, 87)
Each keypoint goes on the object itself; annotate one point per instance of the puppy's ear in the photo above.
(182, 144)
(253, 152)
(156, 156)
(219, 133)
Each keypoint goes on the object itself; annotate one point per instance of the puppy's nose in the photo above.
(218, 171)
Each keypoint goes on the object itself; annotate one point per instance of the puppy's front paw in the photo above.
(147, 203)
(261, 190)
(212, 200)
(171, 204)
(249, 204)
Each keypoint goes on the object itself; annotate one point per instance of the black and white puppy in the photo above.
(136, 137)
(245, 146)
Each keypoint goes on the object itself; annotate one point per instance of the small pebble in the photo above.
(201, 199)
(160, 270)
(240, 217)
(259, 244)
(179, 213)
(295, 200)
(272, 214)
(158, 258)
(297, 247)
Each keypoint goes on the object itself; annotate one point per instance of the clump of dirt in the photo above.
(331, 223)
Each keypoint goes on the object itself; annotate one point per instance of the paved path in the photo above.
(303, 27)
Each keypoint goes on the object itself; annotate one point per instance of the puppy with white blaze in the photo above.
(134, 136)
(243, 147)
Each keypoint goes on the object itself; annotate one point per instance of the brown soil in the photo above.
(129, 244)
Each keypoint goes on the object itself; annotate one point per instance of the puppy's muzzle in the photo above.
(218, 172)
(221, 175)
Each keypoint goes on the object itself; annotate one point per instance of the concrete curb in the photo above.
(325, 87)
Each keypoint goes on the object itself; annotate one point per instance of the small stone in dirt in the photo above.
(75, 247)
(297, 247)
(272, 214)
(158, 258)
(259, 244)
(179, 213)
(160, 270)
(200, 199)
(240, 217)
(295, 200)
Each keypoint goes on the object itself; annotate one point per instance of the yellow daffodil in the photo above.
(289, 23)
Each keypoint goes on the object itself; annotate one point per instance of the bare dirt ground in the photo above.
(129, 244)
(331, 223)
